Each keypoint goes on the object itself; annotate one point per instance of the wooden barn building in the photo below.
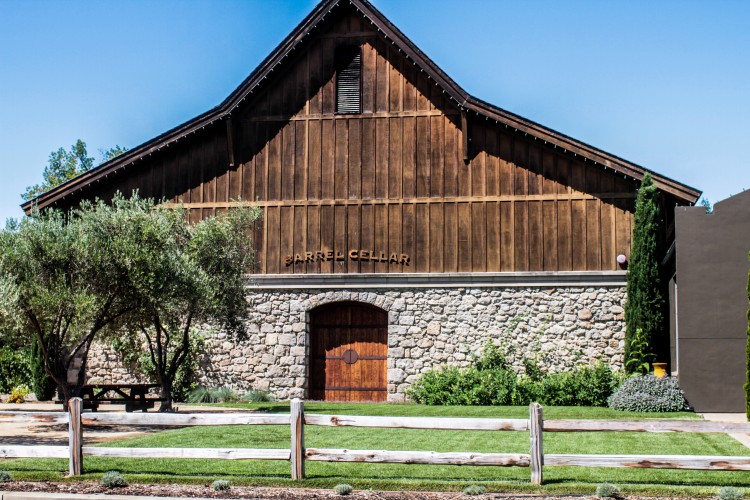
(405, 222)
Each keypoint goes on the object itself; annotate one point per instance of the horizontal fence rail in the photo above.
(434, 423)
(297, 453)
(417, 457)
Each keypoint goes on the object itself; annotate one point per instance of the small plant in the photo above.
(648, 393)
(213, 395)
(5, 477)
(114, 479)
(730, 493)
(257, 396)
(474, 490)
(343, 489)
(607, 490)
(18, 394)
(640, 356)
(220, 485)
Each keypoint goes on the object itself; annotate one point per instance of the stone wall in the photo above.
(560, 327)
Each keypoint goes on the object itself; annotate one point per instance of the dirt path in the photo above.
(57, 434)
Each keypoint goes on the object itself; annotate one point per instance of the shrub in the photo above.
(607, 490)
(213, 395)
(343, 489)
(114, 479)
(492, 382)
(14, 368)
(648, 393)
(5, 477)
(18, 394)
(730, 493)
(468, 386)
(474, 489)
(220, 485)
(257, 396)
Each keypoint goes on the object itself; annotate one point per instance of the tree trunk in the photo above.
(166, 395)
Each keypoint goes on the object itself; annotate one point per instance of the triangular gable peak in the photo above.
(320, 19)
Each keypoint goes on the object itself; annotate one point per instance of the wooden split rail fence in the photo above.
(297, 454)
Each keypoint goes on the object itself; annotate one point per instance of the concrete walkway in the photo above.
(41, 433)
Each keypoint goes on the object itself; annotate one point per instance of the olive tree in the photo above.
(188, 276)
(62, 281)
(124, 266)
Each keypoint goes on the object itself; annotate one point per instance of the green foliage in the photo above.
(113, 152)
(18, 394)
(641, 357)
(65, 165)
(14, 368)
(121, 267)
(256, 396)
(491, 381)
(343, 489)
(5, 477)
(474, 490)
(730, 493)
(43, 385)
(184, 275)
(61, 167)
(113, 479)
(64, 278)
(467, 387)
(644, 308)
(705, 203)
(221, 485)
(583, 386)
(213, 395)
(607, 490)
(648, 393)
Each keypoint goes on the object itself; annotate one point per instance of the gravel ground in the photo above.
(189, 491)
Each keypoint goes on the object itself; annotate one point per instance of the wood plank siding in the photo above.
(390, 180)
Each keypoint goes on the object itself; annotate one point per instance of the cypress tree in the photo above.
(644, 307)
(42, 384)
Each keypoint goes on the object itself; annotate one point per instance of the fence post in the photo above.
(75, 440)
(536, 426)
(297, 420)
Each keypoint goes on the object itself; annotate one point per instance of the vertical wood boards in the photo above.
(391, 179)
(349, 350)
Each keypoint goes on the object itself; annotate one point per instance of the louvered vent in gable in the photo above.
(348, 79)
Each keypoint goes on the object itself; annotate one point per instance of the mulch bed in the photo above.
(192, 491)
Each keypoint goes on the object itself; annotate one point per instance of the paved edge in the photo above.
(39, 495)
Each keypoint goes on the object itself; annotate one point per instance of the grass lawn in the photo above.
(422, 477)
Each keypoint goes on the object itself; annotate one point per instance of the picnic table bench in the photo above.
(133, 396)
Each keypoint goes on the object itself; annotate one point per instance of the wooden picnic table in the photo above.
(133, 396)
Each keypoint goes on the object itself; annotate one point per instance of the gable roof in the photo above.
(296, 38)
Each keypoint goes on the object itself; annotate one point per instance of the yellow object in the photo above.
(660, 370)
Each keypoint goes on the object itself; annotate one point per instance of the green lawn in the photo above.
(423, 477)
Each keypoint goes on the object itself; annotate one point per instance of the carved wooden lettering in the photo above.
(355, 254)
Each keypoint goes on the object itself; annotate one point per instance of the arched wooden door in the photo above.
(348, 352)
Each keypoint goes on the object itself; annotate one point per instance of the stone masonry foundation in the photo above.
(560, 327)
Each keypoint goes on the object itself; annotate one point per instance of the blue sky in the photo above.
(663, 84)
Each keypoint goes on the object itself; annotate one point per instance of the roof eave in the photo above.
(390, 32)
